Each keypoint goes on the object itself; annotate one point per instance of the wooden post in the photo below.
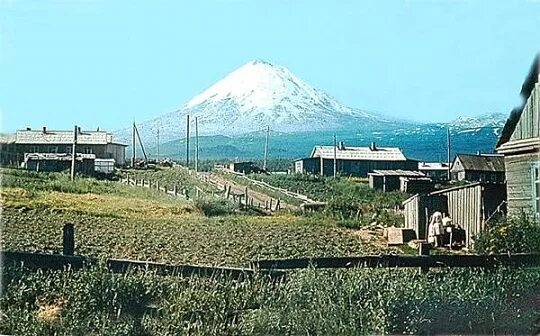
(448, 158)
(142, 182)
(335, 156)
(228, 192)
(186, 193)
(271, 201)
(265, 160)
(197, 192)
(133, 146)
(157, 185)
(278, 205)
(423, 250)
(74, 152)
(196, 144)
(175, 190)
(187, 141)
(68, 239)
(246, 195)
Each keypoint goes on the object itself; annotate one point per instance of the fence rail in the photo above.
(75, 262)
(423, 261)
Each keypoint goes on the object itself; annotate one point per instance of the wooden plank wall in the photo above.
(465, 207)
(519, 182)
(529, 123)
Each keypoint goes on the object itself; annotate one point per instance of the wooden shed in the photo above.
(470, 206)
(478, 168)
(389, 180)
(520, 145)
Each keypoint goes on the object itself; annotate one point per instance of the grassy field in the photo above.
(114, 220)
(129, 222)
(310, 302)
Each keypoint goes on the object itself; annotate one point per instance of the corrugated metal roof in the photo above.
(62, 137)
(359, 153)
(398, 172)
(493, 163)
(58, 156)
(432, 166)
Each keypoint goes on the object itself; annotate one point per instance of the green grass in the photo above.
(310, 302)
(161, 228)
(172, 176)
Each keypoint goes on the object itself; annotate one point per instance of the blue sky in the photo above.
(105, 63)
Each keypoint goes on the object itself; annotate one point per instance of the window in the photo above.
(87, 150)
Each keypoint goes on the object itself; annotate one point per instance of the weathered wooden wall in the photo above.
(519, 176)
(528, 125)
(465, 208)
(468, 206)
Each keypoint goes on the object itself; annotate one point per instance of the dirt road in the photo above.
(258, 197)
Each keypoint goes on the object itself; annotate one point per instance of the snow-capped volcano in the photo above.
(256, 95)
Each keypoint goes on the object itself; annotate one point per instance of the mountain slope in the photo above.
(257, 95)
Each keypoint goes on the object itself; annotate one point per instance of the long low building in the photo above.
(99, 143)
(353, 161)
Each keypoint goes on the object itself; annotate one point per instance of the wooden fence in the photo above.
(243, 198)
(173, 190)
(421, 261)
(74, 262)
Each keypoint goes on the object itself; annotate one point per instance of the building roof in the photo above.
(62, 137)
(58, 156)
(398, 172)
(359, 153)
(432, 166)
(493, 163)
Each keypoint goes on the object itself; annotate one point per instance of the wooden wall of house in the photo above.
(520, 182)
(528, 125)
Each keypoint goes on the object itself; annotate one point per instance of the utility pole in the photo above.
(187, 141)
(196, 144)
(74, 152)
(133, 146)
(265, 161)
(448, 151)
(335, 156)
(158, 144)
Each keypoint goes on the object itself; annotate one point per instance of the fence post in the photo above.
(271, 201)
(68, 239)
(175, 190)
(423, 250)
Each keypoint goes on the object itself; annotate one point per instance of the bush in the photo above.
(516, 235)
(215, 207)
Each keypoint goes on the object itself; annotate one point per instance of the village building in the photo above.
(520, 145)
(353, 161)
(437, 171)
(471, 207)
(245, 167)
(478, 168)
(403, 180)
(28, 141)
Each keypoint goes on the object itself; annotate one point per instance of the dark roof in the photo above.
(493, 163)
(526, 89)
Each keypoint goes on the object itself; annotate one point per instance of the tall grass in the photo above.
(310, 302)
